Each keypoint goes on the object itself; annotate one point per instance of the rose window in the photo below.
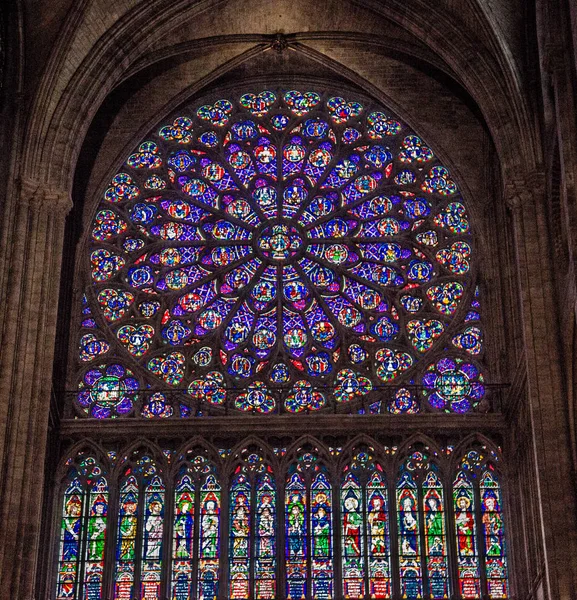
(282, 252)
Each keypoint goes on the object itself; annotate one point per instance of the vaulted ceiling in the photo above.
(437, 65)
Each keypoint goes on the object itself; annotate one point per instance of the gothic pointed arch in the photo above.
(264, 265)
(197, 522)
(422, 524)
(84, 493)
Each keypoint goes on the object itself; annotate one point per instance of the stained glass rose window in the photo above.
(302, 248)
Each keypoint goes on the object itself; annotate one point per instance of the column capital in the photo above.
(516, 194)
(40, 197)
(522, 191)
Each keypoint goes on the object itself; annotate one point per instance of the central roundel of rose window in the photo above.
(279, 242)
(282, 240)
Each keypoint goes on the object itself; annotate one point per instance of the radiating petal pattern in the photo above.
(280, 239)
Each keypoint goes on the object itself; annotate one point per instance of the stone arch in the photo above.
(420, 438)
(142, 445)
(195, 443)
(359, 440)
(468, 443)
(87, 445)
(234, 459)
(452, 39)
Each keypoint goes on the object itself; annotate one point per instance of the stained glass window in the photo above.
(493, 535)
(280, 241)
(209, 554)
(281, 252)
(411, 575)
(309, 530)
(479, 527)
(435, 536)
(83, 531)
(365, 538)
(423, 554)
(196, 529)
(333, 529)
(183, 537)
(466, 532)
(70, 539)
(252, 538)
(140, 531)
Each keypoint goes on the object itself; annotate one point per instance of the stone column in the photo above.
(32, 255)
(546, 399)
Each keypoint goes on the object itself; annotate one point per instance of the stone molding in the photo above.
(449, 38)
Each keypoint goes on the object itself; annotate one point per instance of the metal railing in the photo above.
(384, 399)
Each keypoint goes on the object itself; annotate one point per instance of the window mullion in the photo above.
(196, 541)
(366, 553)
(252, 539)
(138, 541)
(82, 535)
(111, 542)
(280, 537)
(451, 539)
(224, 539)
(336, 543)
(309, 541)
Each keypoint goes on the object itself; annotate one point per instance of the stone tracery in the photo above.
(291, 240)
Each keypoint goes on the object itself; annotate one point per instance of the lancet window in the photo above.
(83, 530)
(422, 538)
(309, 529)
(139, 541)
(313, 522)
(365, 522)
(196, 528)
(253, 530)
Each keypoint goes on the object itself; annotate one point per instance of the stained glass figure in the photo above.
(183, 537)
(493, 535)
(321, 537)
(252, 529)
(296, 537)
(82, 531)
(265, 537)
(70, 540)
(466, 534)
(365, 529)
(309, 530)
(140, 524)
(240, 517)
(423, 554)
(152, 539)
(435, 536)
(95, 539)
(408, 519)
(196, 528)
(283, 237)
(478, 507)
(209, 551)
